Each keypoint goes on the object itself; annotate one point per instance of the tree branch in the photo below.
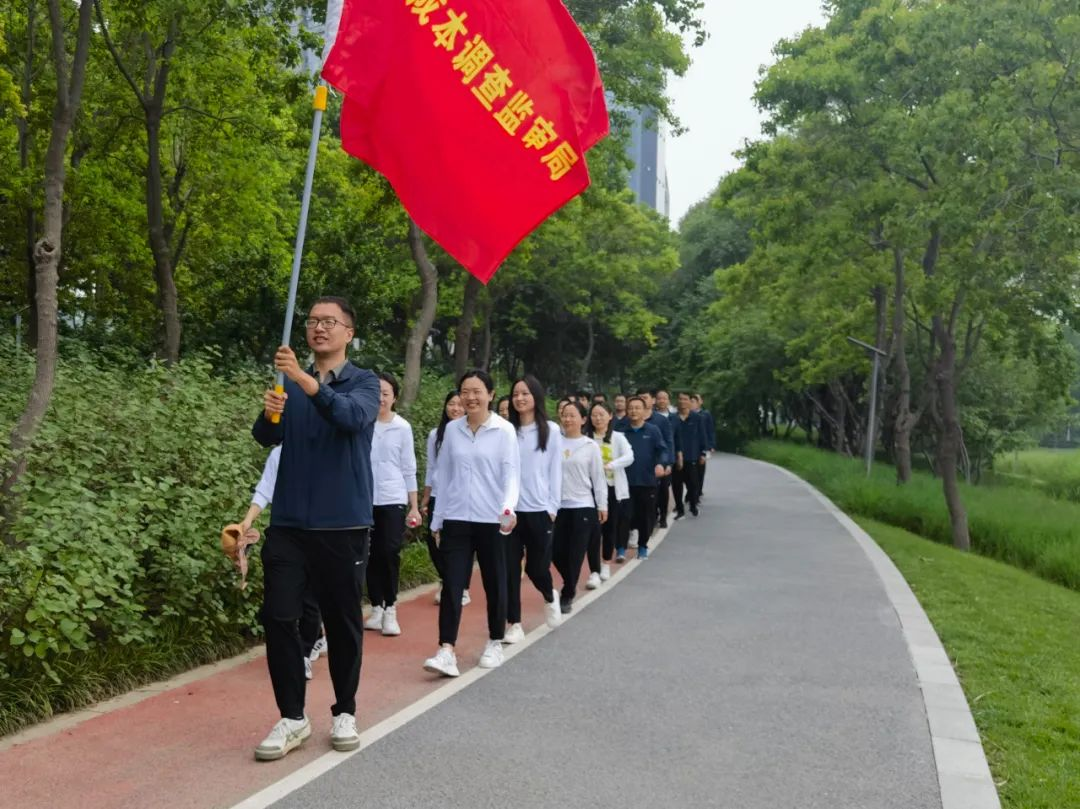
(115, 54)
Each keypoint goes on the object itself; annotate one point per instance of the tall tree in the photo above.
(70, 75)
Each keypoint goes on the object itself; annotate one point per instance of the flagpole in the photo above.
(319, 104)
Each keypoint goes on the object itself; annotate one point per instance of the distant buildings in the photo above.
(647, 149)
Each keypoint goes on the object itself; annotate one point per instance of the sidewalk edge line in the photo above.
(329, 760)
(964, 778)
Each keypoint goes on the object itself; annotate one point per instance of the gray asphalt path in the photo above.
(753, 662)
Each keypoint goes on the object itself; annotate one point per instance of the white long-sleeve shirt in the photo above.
(618, 454)
(393, 462)
(478, 474)
(264, 491)
(429, 470)
(541, 471)
(583, 481)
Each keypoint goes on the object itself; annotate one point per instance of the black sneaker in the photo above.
(662, 523)
(681, 514)
(694, 510)
(566, 607)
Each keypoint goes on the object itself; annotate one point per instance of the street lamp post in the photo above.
(877, 354)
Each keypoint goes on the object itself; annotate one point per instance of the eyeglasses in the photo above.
(328, 323)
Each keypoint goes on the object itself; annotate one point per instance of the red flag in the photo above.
(478, 112)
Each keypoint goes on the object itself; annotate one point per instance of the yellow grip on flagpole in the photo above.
(275, 418)
(320, 97)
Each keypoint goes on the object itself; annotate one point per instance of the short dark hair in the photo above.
(599, 396)
(341, 303)
(635, 399)
(480, 374)
(391, 380)
(642, 392)
(658, 391)
(583, 394)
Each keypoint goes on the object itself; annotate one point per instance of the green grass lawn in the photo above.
(1054, 471)
(1014, 640)
(1023, 527)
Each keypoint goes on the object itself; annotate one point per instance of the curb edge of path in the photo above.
(964, 776)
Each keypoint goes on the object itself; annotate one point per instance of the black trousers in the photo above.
(460, 541)
(616, 531)
(433, 549)
(310, 623)
(573, 527)
(530, 540)
(663, 497)
(331, 564)
(384, 565)
(688, 478)
(701, 477)
(643, 512)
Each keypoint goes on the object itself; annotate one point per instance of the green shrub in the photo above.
(112, 572)
(1055, 472)
(1024, 528)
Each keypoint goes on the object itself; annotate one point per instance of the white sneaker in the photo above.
(633, 539)
(605, 571)
(466, 599)
(438, 596)
(593, 581)
(390, 625)
(286, 735)
(514, 633)
(444, 662)
(375, 621)
(552, 611)
(318, 649)
(307, 668)
(492, 657)
(343, 735)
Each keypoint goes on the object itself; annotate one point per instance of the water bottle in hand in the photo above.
(505, 521)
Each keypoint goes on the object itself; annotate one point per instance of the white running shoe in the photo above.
(318, 649)
(605, 571)
(438, 596)
(375, 621)
(444, 662)
(593, 581)
(633, 539)
(514, 633)
(286, 735)
(390, 625)
(307, 668)
(466, 599)
(492, 657)
(343, 734)
(552, 611)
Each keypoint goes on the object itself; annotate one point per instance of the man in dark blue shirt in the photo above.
(698, 404)
(663, 485)
(648, 465)
(691, 448)
(619, 420)
(318, 535)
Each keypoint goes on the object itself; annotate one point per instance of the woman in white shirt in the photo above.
(540, 449)
(584, 500)
(477, 474)
(617, 455)
(393, 468)
(312, 639)
(452, 409)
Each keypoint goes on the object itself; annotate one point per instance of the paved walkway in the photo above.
(755, 660)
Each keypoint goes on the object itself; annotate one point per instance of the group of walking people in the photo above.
(515, 494)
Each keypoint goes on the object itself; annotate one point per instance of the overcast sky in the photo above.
(714, 101)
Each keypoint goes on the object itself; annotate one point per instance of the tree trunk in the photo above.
(586, 361)
(168, 299)
(486, 339)
(429, 301)
(905, 422)
(25, 144)
(463, 334)
(950, 435)
(48, 250)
